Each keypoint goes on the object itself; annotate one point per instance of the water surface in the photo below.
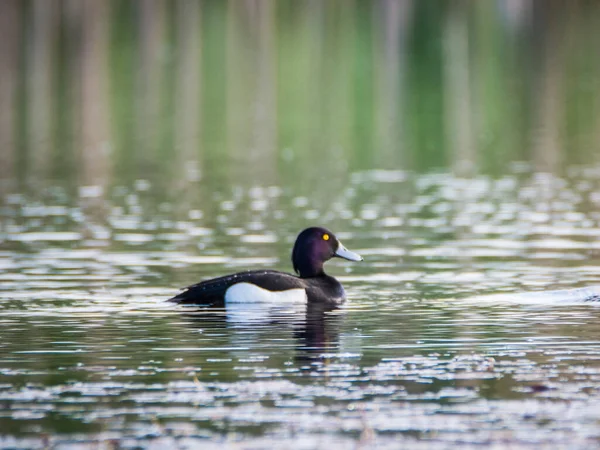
(146, 145)
(422, 354)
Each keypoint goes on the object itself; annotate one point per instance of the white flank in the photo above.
(250, 293)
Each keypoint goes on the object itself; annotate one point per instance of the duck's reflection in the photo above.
(319, 333)
(314, 328)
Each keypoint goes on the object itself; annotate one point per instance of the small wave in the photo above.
(588, 295)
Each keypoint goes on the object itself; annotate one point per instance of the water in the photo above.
(425, 353)
(147, 145)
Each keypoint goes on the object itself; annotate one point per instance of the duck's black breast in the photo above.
(325, 290)
(212, 292)
(320, 289)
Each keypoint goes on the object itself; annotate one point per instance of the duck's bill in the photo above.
(343, 252)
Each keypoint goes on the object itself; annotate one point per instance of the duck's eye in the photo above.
(325, 237)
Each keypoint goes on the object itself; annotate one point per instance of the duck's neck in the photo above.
(308, 268)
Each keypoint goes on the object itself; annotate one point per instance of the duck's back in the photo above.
(213, 292)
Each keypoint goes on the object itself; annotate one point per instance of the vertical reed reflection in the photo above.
(149, 83)
(41, 85)
(265, 103)
(550, 78)
(595, 43)
(94, 106)
(394, 17)
(301, 55)
(263, 90)
(457, 88)
(188, 92)
(251, 87)
(72, 85)
(10, 18)
(336, 99)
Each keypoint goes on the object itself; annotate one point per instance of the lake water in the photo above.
(443, 342)
(147, 145)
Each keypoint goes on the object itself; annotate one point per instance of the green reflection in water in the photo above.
(272, 91)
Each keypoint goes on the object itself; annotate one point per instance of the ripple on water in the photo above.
(451, 336)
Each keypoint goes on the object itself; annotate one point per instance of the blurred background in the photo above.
(102, 93)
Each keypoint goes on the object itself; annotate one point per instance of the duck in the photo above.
(312, 248)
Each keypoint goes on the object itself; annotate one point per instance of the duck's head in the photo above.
(313, 247)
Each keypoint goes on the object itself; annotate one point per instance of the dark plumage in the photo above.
(313, 247)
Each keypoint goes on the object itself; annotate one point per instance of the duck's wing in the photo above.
(212, 292)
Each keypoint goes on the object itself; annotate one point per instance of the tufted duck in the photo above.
(313, 247)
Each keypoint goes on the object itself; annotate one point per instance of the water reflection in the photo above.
(318, 334)
(315, 328)
(145, 145)
(247, 91)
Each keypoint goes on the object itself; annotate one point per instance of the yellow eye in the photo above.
(326, 237)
